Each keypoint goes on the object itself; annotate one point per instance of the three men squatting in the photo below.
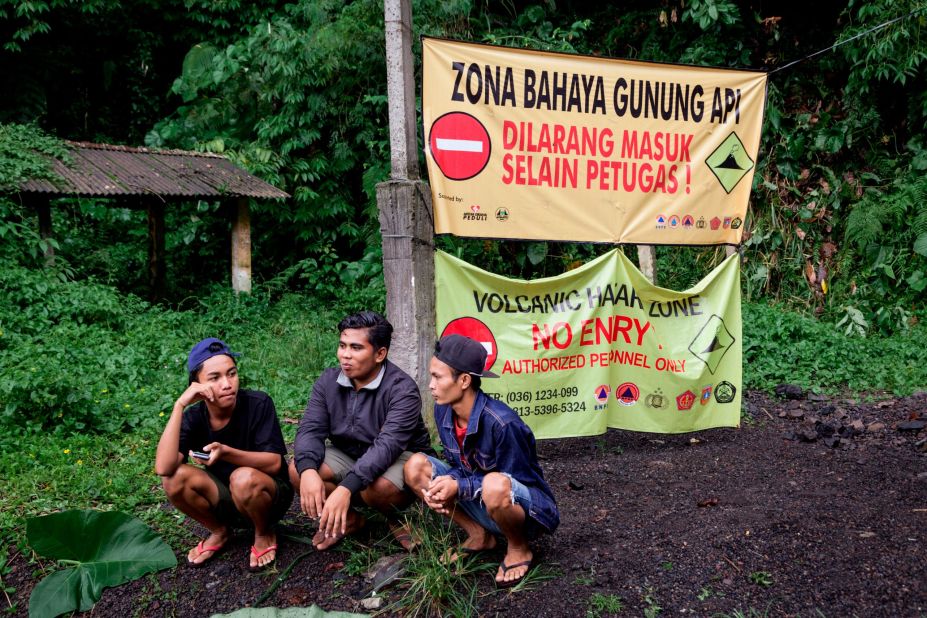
(361, 441)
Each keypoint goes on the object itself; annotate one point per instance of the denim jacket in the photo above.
(497, 440)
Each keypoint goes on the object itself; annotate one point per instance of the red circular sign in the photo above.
(460, 145)
(627, 394)
(476, 330)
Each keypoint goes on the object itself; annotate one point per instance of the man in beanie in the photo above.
(362, 423)
(234, 436)
(491, 484)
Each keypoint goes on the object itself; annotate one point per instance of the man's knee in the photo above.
(382, 489)
(247, 482)
(497, 491)
(417, 471)
(176, 484)
(326, 473)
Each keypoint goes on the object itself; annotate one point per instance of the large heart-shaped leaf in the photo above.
(106, 549)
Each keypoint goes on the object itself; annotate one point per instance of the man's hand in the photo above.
(311, 493)
(215, 451)
(196, 392)
(334, 516)
(441, 494)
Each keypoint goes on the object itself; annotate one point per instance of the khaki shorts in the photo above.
(341, 464)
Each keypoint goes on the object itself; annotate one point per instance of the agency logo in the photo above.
(475, 214)
(706, 394)
(673, 222)
(715, 223)
(725, 392)
(502, 214)
(688, 222)
(656, 400)
(661, 222)
(727, 222)
(627, 394)
(685, 400)
(736, 223)
(601, 393)
(700, 224)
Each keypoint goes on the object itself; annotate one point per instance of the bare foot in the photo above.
(356, 521)
(263, 552)
(472, 545)
(514, 566)
(403, 535)
(208, 547)
(480, 542)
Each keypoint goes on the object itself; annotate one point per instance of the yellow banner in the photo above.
(550, 146)
(600, 346)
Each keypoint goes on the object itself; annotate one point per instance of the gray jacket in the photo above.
(373, 425)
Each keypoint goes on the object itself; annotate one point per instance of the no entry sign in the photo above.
(460, 145)
(476, 330)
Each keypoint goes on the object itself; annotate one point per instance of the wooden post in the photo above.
(156, 253)
(405, 213)
(400, 87)
(43, 208)
(241, 247)
(647, 258)
(409, 271)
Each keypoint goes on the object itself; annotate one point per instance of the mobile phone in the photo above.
(200, 455)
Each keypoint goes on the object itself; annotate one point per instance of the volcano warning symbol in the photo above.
(712, 343)
(730, 162)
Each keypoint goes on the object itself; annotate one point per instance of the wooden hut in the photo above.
(151, 179)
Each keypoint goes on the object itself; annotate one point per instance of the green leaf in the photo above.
(537, 251)
(109, 549)
(920, 245)
(917, 281)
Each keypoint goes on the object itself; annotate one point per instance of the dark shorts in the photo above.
(227, 513)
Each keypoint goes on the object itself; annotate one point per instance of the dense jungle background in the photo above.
(835, 244)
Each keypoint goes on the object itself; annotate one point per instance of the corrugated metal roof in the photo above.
(106, 170)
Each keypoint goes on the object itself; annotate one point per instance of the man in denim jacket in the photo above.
(491, 484)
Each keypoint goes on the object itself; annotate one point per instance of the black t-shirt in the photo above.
(253, 427)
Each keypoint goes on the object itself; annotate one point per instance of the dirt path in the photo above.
(778, 517)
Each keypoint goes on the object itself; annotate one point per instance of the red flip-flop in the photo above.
(200, 549)
(257, 554)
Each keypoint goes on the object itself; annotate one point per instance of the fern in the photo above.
(900, 208)
(919, 221)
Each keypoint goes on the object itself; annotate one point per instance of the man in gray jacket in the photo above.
(362, 423)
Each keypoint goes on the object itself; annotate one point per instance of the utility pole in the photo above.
(404, 203)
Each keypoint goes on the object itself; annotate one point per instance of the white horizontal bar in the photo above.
(460, 145)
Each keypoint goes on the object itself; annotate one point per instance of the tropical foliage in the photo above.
(296, 93)
(103, 549)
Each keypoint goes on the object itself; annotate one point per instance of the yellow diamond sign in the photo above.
(730, 162)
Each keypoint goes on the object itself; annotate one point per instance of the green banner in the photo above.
(601, 346)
